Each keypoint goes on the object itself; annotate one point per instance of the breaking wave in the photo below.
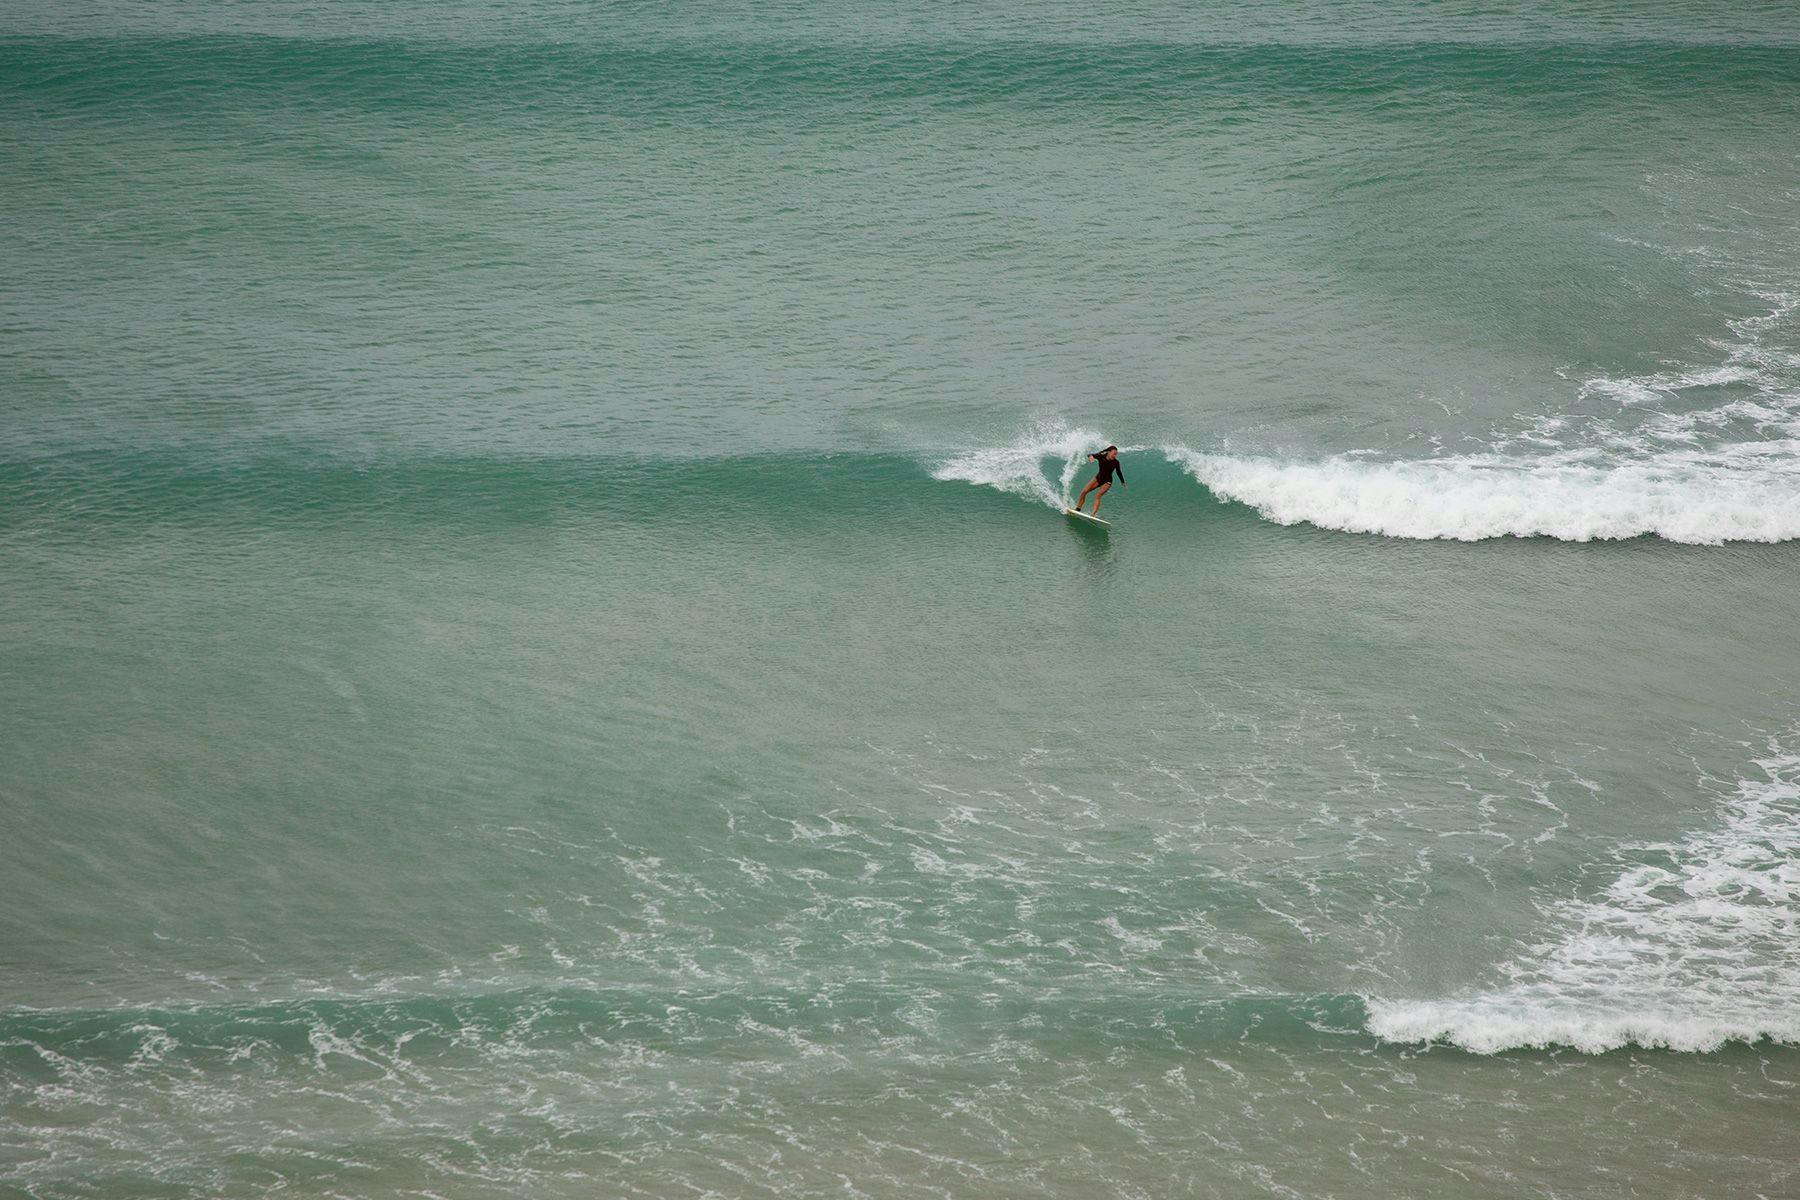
(1747, 493)
(1693, 945)
(1705, 455)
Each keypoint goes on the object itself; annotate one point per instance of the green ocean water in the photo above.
(538, 656)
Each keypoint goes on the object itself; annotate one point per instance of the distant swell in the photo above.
(1697, 497)
(727, 74)
(1695, 944)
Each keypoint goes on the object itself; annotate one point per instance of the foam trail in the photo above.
(1747, 492)
(1018, 467)
(1697, 946)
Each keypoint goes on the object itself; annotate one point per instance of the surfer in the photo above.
(1109, 466)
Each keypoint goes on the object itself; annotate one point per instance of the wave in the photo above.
(272, 485)
(1749, 493)
(1745, 493)
(1334, 22)
(1706, 454)
(1703, 455)
(1752, 497)
(615, 77)
(1694, 946)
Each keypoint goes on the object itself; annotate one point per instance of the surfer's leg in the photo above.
(1084, 494)
(1104, 488)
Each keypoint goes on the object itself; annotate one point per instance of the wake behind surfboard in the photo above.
(1069, 512)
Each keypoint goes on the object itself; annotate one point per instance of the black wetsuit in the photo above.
(1108, 468)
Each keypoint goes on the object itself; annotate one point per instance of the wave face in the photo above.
(1694, 945)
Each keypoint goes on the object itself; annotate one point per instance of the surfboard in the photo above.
(1069, 512)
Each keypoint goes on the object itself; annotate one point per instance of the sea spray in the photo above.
(1019, 466)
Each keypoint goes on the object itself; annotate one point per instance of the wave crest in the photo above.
(1748, 493)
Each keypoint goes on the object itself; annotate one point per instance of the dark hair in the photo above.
(1109, 448)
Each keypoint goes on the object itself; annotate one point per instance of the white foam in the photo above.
(1741, 493)
(1696, 945)
(1646, 389)
(1018, 467)
(1704, 453)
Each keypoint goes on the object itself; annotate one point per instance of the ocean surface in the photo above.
(538, 655)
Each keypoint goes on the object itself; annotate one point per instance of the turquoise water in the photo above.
(538, 658)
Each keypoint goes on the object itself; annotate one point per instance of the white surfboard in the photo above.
(1069, 512)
